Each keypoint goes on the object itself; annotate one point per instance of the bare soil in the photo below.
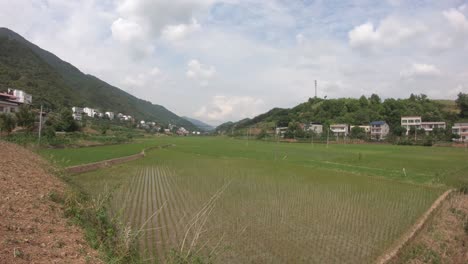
(443, 239)
(33, 228)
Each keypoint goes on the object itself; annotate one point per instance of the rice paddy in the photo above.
(260, 202)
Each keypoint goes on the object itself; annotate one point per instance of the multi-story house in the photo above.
(314, 127)
(429, 126)
(11, 100)
(461, 129)
(21, 96)
(379, 130)
(77, 112)
(340, 129)
(410, 121)
(110, 115)
(91, 112)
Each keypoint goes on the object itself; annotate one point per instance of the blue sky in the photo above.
(231, 59)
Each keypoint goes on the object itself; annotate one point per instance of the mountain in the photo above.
(56, 83)
(200, 124)
(353, 111)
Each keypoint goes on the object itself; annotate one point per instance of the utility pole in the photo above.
(312, 137)
(315, 88)
(40, 126)
(415, 133)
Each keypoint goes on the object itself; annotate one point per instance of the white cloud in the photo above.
(174, 33)
(391, 32)
(154, 15)
(456, 19)
(126, 31)
(144, 79)
(196, 70)
(229, 108)
(419, 70)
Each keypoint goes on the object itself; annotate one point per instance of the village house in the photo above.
(429, 126)
(340, 129)
(91, 112)
(281, 131)
(415, 122)
(110, 115)
(314, 127)
(410, 121)
(11, 100)
(77, 113)
(21, 96)
(379, 130)
(461, 129)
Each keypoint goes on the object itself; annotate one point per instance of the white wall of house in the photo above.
(8, 107)
(340, 129)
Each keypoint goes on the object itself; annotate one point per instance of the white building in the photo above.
(429, 126)
(415, 122)
(21, 96)
(281, 131)
(409, 122)
(91, 112)
(110, 115)
(461, 129)
(314, 127)
(379, 130)
(77, 112)
(340, 129)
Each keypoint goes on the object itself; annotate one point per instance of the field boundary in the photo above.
(393, 252)
(82, 168)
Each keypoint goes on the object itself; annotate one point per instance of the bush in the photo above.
(7, 123)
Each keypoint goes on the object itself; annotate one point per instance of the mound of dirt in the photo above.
(443, 239)
(33, 228)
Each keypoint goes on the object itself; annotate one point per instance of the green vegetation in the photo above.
(7, 123)
(116, 242)
(349, 111)
(462, 103)
(56, 83)
(75, 156)
(270, 202)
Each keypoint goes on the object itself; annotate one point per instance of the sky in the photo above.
(226, 60)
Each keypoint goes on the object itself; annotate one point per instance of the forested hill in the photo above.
(56, 83)
(351, 111)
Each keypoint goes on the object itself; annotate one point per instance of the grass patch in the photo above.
(115, 241)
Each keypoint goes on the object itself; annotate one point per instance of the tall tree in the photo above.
(462, 102)
(7, 123)
(25, 117)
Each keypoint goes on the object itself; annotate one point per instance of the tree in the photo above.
(363, 101)
(25, 117)
(358, 132)
(375, 99)
(7, 123)
(399, 131)
(462, 102)
(67, 122)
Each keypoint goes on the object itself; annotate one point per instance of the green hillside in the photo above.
(56, 83)
(353, 111)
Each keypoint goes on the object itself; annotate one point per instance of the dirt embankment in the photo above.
(443, 239)
(32, 227)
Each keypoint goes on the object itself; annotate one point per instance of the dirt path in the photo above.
(443, 239)
(414, 229)
(32, 227)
